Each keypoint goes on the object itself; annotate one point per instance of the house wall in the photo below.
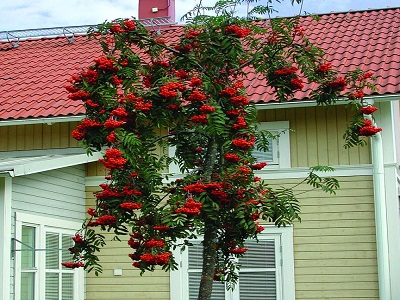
(128, 286)
(334, 245)
(334, 249)
(57, 194)
(316, 136)
(37, 136)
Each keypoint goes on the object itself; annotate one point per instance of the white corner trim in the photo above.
(5, 237)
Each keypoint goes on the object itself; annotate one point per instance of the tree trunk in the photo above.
(209, 261)
(210, 233)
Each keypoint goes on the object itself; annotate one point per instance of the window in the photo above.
(278, 155)
(266, 273)
(41, 244)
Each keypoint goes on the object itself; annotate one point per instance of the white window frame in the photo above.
(284, 267)
(43, 225)
(281, 146)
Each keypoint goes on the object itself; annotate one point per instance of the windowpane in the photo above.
(257, 285)
(196, 255)
(218, 291)
(259, 255)
(52, 252)
(196, 263)
(66, 243)
(27, 286)
(52, 286)
(28, 247)
(67, 286)
(270, 155)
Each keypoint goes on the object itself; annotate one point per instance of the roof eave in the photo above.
(311, 103)
(48, 121)
(33, 167)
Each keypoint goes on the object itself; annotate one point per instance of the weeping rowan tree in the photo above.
(194, 88)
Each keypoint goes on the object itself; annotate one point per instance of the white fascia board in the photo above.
(301, 173)
(311, 103)
(48, 121)
(57, 162)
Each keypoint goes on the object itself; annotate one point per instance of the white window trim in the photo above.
(283, 143)
(42, 224)
(286, 290)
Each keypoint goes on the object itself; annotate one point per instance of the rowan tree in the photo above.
(194, 89)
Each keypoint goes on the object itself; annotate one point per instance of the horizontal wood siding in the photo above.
(37, 136)
(335, 249)
(316, 136)
(130, 285)
(58, 193)
(95, 169)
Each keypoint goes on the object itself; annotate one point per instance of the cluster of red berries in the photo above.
(113, 159)
(238, 31)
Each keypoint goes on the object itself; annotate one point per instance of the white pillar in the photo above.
(388, 119)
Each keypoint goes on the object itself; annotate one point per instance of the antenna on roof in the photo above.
(157, 23)
(71, 39)
(13, 43)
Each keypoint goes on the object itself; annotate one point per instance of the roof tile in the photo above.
(33, 75)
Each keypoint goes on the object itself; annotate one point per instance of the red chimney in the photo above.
(157, 9)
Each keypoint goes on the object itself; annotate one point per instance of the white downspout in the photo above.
(381, 225)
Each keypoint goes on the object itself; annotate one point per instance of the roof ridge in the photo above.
(69, 31)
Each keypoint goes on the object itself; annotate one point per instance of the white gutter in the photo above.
(381, 223)
(311, 103)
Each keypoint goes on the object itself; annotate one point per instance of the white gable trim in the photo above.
(31, 165)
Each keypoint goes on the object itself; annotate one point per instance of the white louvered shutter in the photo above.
(257, 275)
(67, 279)
(52, 264)
(59, 280)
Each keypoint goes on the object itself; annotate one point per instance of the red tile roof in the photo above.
(33, 74)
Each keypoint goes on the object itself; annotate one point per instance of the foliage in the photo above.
(193, 87)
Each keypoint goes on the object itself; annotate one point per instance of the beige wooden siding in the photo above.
(316, 136)
(335, 249)
(128, 286)
(96, 169)
(37, 136)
